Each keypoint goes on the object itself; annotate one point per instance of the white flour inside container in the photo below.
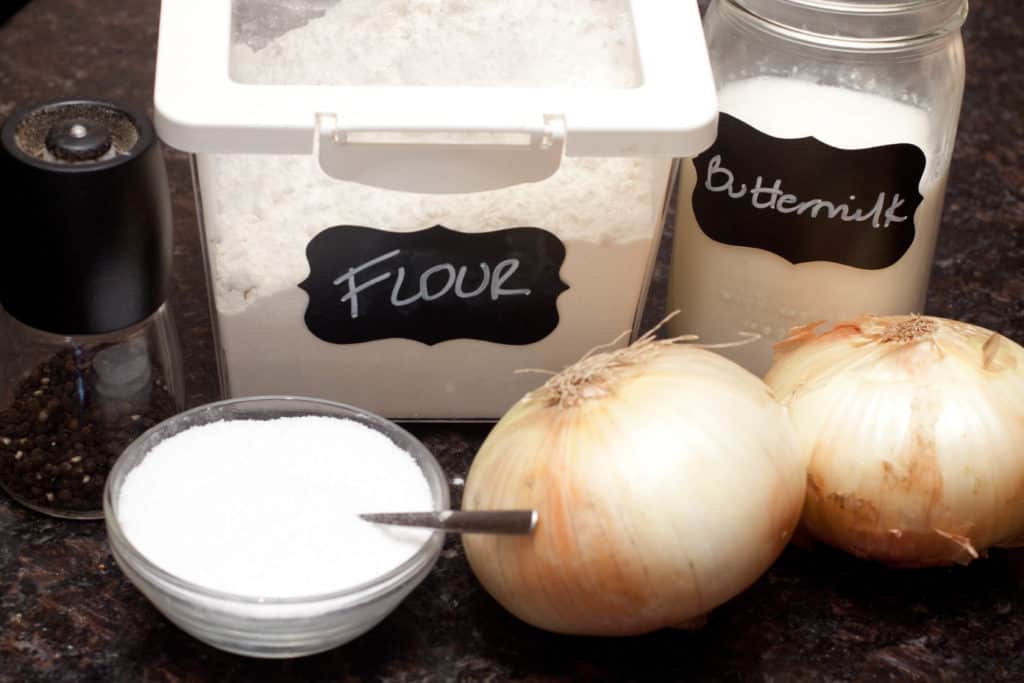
(524, 43)
(261, 211)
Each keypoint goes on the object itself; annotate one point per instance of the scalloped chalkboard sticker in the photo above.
(433, 285)
(808, 201)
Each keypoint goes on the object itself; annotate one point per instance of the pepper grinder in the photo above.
(89, 358)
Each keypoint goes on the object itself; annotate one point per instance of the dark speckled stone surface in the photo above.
(68, 614)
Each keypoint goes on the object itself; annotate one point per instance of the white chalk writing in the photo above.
(435, 282)
(771, 197)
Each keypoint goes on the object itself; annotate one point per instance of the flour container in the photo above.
(403, 203)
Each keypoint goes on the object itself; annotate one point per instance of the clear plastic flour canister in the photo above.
(404, 202)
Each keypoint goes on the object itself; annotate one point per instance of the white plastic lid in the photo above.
(446, 138)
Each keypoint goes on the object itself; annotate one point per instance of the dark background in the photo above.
(67, 613)
(10, 7)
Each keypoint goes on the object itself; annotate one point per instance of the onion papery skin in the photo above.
(915, 442)
(660, 495)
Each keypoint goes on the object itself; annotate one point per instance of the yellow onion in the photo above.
(667, 479)
(914, 432)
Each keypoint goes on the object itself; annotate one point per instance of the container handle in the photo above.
(437, 160)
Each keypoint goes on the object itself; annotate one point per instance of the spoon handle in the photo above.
(514, 522)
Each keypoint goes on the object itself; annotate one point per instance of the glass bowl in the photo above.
(271, 627)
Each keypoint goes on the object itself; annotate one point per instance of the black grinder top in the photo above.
(86, 228)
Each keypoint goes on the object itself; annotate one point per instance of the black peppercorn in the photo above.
(60, 433)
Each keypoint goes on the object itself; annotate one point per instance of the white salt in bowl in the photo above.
(272, 627)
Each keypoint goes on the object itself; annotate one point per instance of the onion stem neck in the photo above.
(593, 375)
(908, 330)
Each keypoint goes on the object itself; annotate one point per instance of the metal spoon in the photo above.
(511, 522)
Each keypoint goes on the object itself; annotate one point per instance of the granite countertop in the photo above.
(67, 612)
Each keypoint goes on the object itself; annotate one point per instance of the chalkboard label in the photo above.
(808, 201)
(433, 285)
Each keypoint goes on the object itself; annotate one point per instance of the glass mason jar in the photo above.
(821, 198)
(70, 405)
